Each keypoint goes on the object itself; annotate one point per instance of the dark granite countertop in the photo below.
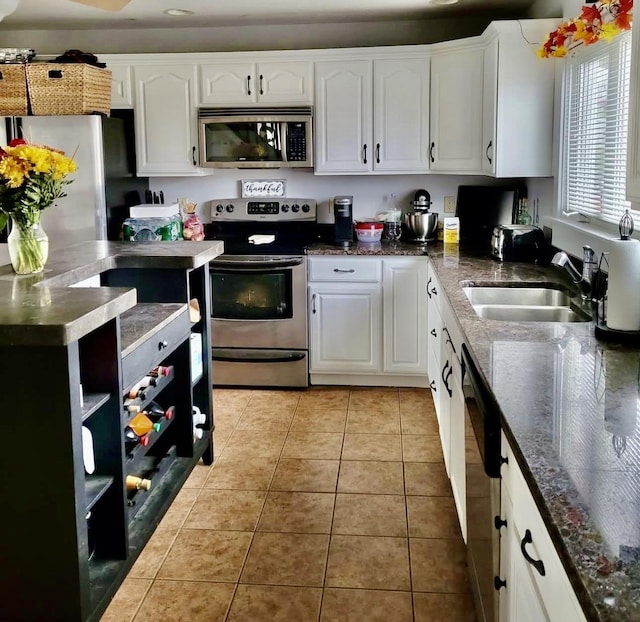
(42, 309)
(363, 248)
(569, 407)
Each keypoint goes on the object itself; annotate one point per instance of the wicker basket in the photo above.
(13, 89)
(68, 88)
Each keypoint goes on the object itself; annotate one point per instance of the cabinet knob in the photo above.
(433, 332)
(499, 583)
(162, 344)
(504, 460)
(499, 522)
(432, 385)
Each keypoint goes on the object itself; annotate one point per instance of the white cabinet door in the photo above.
(166, 120)
(457, 454)
(404, 310)
(456, 110)
(345, 327)
(343, 117)
(280, 82)
(227, 83)
(121, 91)
(401, 115)
(285, 82)
(489, 100)
(517, 101)
(633, 139)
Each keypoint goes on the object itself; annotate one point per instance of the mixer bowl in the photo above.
(422, 226)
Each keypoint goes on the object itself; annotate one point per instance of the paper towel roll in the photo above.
(623, 305)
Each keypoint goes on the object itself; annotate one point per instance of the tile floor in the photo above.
(324, 505)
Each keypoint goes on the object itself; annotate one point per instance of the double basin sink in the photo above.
(539, 303)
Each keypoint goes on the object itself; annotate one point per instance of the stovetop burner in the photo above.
(262, 226)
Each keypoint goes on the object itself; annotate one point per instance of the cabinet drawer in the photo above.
(535, 545)
(362, 269)
(149, 334)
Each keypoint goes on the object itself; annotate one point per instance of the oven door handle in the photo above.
(256, 264)
(276, 358)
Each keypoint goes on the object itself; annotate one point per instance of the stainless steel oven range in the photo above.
(258, 291)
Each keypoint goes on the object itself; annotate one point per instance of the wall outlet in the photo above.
(449, 205)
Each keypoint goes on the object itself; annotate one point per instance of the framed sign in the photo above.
(263, 188)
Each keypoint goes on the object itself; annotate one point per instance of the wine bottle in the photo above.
(137, 392)
(142, 425)
(154, 411)
(134, 482)
(160, 370)
(132, 405)
(131, 439)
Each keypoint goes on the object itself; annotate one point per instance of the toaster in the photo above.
(517, 243)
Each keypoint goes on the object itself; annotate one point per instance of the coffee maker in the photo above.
(343, 227)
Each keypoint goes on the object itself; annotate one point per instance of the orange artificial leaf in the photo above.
(591, 14)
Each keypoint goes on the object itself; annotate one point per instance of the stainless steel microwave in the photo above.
(256, 137)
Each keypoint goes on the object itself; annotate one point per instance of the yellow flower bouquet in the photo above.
(32, 177)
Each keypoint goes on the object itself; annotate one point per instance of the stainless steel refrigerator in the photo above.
(105, 184)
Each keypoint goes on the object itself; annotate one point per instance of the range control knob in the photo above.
(230, 208)
(284, 208)
(295, 208)
(219, 209)
(305, 207)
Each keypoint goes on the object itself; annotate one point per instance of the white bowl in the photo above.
(369, 235)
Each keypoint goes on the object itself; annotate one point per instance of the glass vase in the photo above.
(28, 246)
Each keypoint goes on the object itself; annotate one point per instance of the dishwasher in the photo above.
(482, 479)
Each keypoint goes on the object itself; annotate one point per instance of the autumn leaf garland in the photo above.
(602, 20)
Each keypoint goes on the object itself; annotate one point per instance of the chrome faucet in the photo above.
(582, 279)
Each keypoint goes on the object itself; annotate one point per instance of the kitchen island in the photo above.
(70, 355)
(569, 408)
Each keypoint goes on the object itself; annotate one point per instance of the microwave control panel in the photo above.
(296, 141)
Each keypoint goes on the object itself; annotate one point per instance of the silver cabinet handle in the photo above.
(313, 303)
(343, 271)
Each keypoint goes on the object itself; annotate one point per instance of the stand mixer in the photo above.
(421, 224)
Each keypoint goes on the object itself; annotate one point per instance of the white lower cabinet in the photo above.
(367, 320)
(537, 587)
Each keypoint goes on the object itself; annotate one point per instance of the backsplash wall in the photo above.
(370, 193)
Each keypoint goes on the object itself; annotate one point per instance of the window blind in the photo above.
(595, 113)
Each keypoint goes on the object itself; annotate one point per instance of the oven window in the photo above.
(252, 295)
(243, 141)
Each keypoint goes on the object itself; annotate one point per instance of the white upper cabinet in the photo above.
(517, 118)
(121, 90)
(247, 83)
(166, 120)
(456, 109)
(372, 115)
(633, 141)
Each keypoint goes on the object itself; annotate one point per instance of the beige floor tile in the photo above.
(371, 477)
(432, 517)
(426, 478)
(471, 451)
(319, 420)
(177, 601)
(241, 473)
(286, 559)
(368, 562)
(220, 438)
(204, 555)
(266, 419)
(296, 474)
(153, 554)
(421, 448)
(370, 515)
(254, 444)
(227, 419)
(228, 510)
(418, 422)
(373, 421)
(343, 605)
(126, 601)
(361, 397)
(443, 607)
(416, 399)
(439, 565)
(372, 447)
(319, 445)
(322, 397)
(277, 398)
(198, 476)
(271, 603)
(298, 512)
(179, 509)
(231, 399)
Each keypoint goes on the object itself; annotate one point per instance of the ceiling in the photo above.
(147, 14)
